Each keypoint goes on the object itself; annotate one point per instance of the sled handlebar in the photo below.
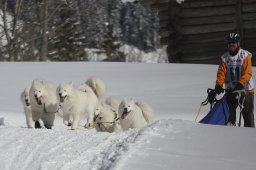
(212, 99)
(226, 91)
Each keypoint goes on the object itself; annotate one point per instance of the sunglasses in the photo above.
(232, 42)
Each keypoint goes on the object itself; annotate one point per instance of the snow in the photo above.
(172, 141)
(124, 1)
(178, 1)
(132, 54)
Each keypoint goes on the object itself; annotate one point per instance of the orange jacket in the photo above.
(240, 66)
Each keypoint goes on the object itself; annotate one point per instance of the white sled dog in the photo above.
(106, 117)
(134, 114)
(44, 103)
(76, 101)
(25, 100)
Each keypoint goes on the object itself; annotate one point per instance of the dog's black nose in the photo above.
(125, 109)
(59, 94)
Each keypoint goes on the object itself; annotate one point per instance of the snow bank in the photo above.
(124, 1)
(173, 141)
(94, 54)
(180, 1)
(132, 54)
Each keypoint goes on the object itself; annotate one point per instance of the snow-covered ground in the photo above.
(172, 141)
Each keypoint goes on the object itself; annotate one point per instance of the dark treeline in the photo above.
(62, 30)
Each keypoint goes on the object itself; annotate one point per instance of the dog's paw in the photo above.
(67, 123)
(73, 127)
(48, 127)
(37, 125)
(89, 125)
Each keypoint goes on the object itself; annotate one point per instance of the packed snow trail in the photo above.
(165, 142)
(61, 149)
(64, 149)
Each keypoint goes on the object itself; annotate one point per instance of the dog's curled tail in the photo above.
(113, 102)
(97, 85)
(147, 111)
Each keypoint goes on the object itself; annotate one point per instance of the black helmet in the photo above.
(232, 37)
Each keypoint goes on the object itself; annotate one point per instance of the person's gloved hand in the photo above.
(218, 89)
(211, 96)
(238, 86)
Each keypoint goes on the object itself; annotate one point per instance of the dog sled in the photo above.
(219, 110)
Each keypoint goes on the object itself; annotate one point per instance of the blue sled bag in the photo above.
(219, 114)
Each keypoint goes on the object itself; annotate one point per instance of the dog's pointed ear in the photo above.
(125, 99)
(61, 83)
(27, 89)
(34, 81)
(42, 81)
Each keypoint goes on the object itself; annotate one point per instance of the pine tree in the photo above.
(68, 42)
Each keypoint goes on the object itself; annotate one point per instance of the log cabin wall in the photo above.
(194, 30)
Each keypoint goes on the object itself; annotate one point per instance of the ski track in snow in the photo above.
(79, 149)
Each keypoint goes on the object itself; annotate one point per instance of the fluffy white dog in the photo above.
(25, 100)
(134, 114)
(44, 103)
(106, 117)
(76, 101)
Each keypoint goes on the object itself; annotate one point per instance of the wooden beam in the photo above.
(199, 29)
(208, 20)
(249, 1)
(239, 21)
(207, 11)
(207, 3)
(249, 8)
